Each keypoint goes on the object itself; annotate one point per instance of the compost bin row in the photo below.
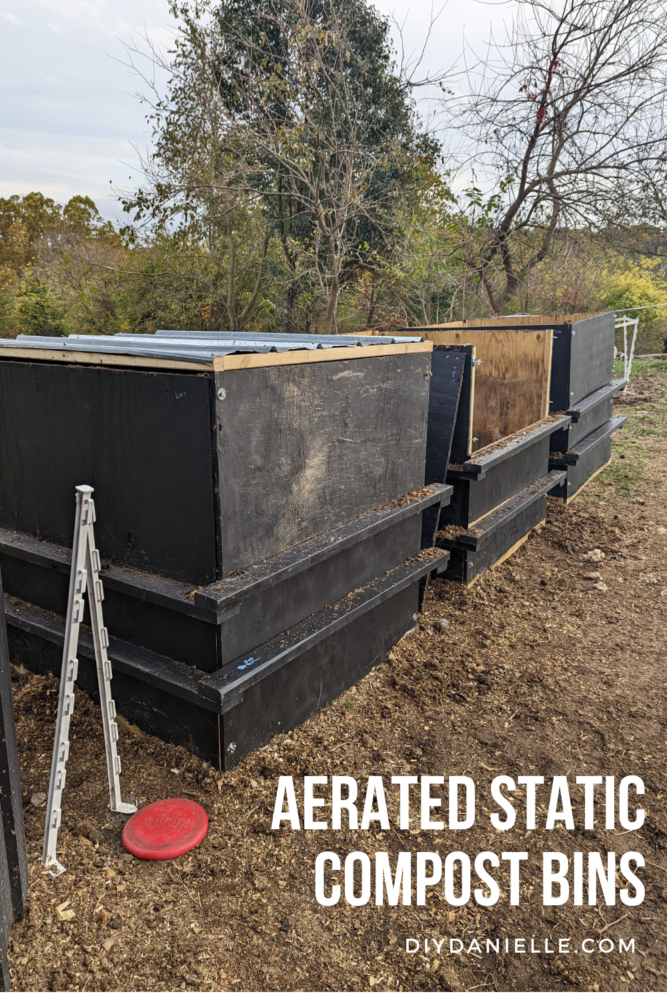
(270, 507)
(534, 419)
(263, 520)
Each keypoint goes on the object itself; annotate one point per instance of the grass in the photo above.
(639, 367)
(626, 476)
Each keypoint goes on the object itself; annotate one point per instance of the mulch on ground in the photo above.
(550, 665)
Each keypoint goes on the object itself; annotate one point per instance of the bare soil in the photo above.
(542, 668)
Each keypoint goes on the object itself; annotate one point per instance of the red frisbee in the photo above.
(165, 829)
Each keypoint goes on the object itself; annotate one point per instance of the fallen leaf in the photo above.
(38, 799)
(110, 942)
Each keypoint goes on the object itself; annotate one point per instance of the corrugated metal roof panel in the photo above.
(196, 346)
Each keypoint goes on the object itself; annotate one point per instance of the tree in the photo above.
(293, 105)
(60, 267)
(560, 120)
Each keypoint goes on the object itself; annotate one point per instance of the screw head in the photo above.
(222, 394)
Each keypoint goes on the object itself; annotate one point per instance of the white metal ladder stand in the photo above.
(84, 573)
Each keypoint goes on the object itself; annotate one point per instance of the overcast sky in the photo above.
(70, 116)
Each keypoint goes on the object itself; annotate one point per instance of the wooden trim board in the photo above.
(514, 322)
(88, 358)
(229, 362)
(234, 362)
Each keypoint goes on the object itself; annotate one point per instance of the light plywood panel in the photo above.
(512, 381)
(513, 321)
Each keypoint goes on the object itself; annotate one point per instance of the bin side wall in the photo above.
(141, 439)
(297, 691)
(592, 355)
(302, 448)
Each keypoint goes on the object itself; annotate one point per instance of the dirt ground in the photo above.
(543, 668)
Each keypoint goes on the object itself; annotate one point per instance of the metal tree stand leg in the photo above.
(84, 573)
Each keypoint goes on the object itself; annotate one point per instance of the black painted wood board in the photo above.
(271, 612)
(269, 572)
(233, 680)
(157, 711)
(251, 608)
(499, 531)
(175, 678)
(591, 413)
(462, 437)
(582, 359)
(6, 916)
(575, 455)
(11, 804)
(519, 465)
(591, 355)
(286, 698)
(144, 587)
(447, 368)
(162, 630)
(142, 439)
(183, 706)
(581, 410)
(479, 464)
(585, 459)
(303, 448)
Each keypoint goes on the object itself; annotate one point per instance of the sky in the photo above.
(71, 122)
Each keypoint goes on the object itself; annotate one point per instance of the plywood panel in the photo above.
(142, 439)
(512, 381)
(510, 321)
(304, 448)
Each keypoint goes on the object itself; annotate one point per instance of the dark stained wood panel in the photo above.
(304, 448)
(143, 440)
(448, 366)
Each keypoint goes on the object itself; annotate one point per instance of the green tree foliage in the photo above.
(292, 114)
(60, 267)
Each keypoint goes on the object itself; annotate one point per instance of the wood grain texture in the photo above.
(513, 322)
(302, 449)
(582, 355)
(142, 439)
(106, 360)
(235, 362)
(229, 362)
(512, 381)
